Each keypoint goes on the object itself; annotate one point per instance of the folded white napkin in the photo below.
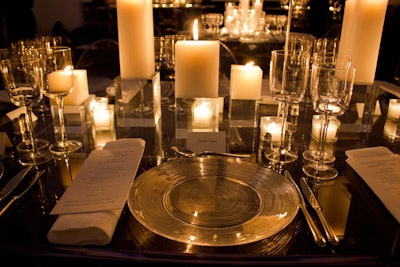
(90, 208)
(91, 228)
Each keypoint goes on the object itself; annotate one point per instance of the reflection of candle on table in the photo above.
(196, 67)
(60, 81)
(136, 38)
(202, 112)
(394, 109)
(333, 128)
(246, 81)
(361, 36)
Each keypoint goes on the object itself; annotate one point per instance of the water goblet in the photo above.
(60, 82)
(288, 82)
(23, 78)
(331, 91)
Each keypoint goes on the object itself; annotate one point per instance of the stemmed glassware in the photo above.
(331, 57)
(60, 82)
(331, 90)
(288, 82)
(23, 79)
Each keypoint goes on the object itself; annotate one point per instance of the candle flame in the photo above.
(250, 64)
(195, 30)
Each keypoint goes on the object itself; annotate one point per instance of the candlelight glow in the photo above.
(195, 30)
(250, 64)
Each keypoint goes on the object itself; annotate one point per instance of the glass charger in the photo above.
(213, 201)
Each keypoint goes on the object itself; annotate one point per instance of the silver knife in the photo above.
(13, 182)
(332, 238)
(15, 198)
(316, 233)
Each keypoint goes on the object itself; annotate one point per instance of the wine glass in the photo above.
(331, 91)
(329, 57)
(23, 79)
(60, 82)
(288, 81)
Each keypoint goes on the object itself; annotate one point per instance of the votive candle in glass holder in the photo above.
(205, 113)
(394, 109)
(103, 117)
(332, 132)
(271, 125)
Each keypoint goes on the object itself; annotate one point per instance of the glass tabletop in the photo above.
(368, 233)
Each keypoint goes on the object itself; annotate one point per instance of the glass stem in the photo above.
(30, 128)
(141, 104)
(322, 139)
(282, 149)
(60, 105)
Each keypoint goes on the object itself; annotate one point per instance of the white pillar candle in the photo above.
(394, 109)
(333, 128)
(60, 81)
(361, 36)
(246, 81)
(80, 93)
(196, 68)
(136, 39)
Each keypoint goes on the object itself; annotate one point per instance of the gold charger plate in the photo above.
(213, 201)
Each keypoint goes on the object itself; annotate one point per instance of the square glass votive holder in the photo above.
(196, 115)
(77, 120)
(394, 109)
(243, 125)
(129, 95)
(271, 125)
(103, 129)
(391, 130)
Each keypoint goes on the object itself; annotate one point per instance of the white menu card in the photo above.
(380, 169)
(104, 180)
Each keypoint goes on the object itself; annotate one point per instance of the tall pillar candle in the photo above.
(246, 81)
(136, 39)
(196, 68)
(361, 36)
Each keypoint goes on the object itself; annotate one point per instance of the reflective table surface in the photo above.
(368, 233)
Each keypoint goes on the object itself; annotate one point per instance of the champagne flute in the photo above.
(331, 90)
(60, 82)
(288, 83)
(23, 79)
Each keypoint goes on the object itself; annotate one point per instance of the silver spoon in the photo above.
(190, 154)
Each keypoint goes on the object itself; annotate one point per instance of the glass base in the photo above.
(314, 155)
(280, 156)
(142, 109)
(175, 107)
(26, 147)
(320, 171)
(37, 158)
(65, 147)
(165, 100)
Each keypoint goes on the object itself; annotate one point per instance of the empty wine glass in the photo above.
(288, 83)
(23, 79)
(60, 82)
(331, 57)
(331, 91)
